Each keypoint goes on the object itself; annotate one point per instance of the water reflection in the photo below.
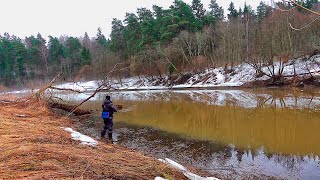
(234, 133)
(292, 99)
(225, 161)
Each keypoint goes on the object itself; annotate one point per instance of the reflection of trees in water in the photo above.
(294, 163)
(213, 157)
(231, 101)
(164, 145)
(277, 99)
(261, 101)
(281, 100)
(291, 163)
(265, 98)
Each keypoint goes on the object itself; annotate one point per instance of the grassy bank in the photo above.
(33, 145)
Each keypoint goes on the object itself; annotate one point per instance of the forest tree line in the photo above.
(184, 37)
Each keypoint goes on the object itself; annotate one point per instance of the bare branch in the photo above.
(304, 8)
(112, 70)
(283, 10)
(46, 86)
(87, 99)
(299, 29)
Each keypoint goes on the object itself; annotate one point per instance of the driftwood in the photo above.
(69, 108)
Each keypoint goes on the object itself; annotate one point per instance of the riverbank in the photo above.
(34, 145)
(302, 72)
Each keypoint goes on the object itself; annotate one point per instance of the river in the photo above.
(232, 134)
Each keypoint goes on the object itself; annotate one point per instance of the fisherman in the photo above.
(107, 115)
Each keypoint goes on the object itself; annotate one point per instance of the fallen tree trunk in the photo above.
(72, 108)
(69, 108)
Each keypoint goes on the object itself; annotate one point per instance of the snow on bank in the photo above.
(213, 77)
(86, 140)
(210, 78)
(184, 170)
(79, 86)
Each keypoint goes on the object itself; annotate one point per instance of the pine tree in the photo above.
(85, 56)
(56, 50)
(159, 14)
(33, 44)
(86, 42)
(261, 11)
(183, 18)
(144, 14)
(240, 12)
(197, 9)
(13, 57)
(310, 3)
(216, 10)
(116, 35)
(148, 24)
(100, 38)
(132, 34)
(208, 20)
(73, 48)
(248, 11)
(232, 12)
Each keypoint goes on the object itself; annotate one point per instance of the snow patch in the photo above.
(86, 140)
(79, 86)
(176, 165)
(212, 77)
(185, 171)
(159, 178)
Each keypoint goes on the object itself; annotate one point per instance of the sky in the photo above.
(75, 17)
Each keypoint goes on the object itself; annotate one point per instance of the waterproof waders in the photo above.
(107, 115)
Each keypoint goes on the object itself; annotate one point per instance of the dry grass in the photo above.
(33, 146)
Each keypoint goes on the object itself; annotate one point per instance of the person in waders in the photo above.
(107, 115)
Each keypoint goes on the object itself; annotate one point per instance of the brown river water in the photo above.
(232, 134)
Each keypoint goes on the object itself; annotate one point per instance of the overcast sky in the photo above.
(74, 17)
